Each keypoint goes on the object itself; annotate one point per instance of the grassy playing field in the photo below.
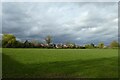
(83, 63)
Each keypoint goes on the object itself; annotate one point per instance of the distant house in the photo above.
(65, 46)
(59, 46)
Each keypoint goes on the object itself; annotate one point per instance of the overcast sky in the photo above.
(74, 22)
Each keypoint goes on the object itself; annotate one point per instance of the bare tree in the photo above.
(48, 39)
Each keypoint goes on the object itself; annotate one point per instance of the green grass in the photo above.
(82, 63)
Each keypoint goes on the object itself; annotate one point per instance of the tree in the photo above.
(8, 40)
(92, 45)
(101, 45)
(27, 44)
(89, 46)
(19, 44)
(114, 44)
(48, 39)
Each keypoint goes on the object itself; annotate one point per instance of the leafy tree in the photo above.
(114, 44)
(8, 40)
(101, 45)
(19, 44)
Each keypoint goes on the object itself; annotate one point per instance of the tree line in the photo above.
(9, 41)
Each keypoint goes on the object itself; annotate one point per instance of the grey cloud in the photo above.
(77, 22)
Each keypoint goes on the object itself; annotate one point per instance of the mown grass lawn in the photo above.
(40, 63)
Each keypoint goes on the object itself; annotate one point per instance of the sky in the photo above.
(60, 0)
(78, 22)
